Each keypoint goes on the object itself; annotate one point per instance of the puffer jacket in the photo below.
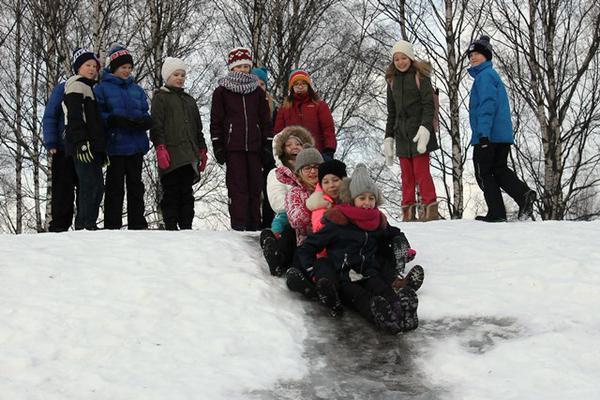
(176, 123)
(53, 121)
(295, 204)
(124, 98)
(489, 109)
(408, 108)
(349, 246)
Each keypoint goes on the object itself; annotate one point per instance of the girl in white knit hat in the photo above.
(410, 127)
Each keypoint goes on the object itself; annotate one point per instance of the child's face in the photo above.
(310, 173)
(241, 68)
(365, 200)
(401, 62)
(331, 185)
(88, 69)
(300, 86)
(123, 71)
(292, 147)
(177, 79)
(476, 58)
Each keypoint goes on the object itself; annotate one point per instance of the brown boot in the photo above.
(409, 213)
(429, 212)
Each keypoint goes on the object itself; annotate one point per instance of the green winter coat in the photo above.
(408, 108)
(176, 123)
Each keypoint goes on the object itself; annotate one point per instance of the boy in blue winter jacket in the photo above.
(64, 178)
(492, 135)
(124, 110)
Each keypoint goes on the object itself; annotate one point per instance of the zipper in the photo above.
(362, 256)
(246, 118)
(229, 136)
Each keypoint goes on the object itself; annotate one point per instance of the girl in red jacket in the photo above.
(303, 107)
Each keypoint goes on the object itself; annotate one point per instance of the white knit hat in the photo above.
(403, 47)
(171, 65)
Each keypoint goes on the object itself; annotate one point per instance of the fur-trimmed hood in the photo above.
(282, 137)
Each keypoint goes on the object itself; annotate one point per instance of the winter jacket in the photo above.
(312, 115)
(276, 190)
(295, 204)
(176, 123)
(240, 122)
(489, 109)
(53, 121)
(408, 108)
(318, 203)
(83, 120)
(123, 98)
(349, 247)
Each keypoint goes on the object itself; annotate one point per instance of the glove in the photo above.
(484, 142)
(328, 154)
(143, 123)
(268, 161)
(421, 139)
(162, 156)
(203, 160)
(219, 154)
(388, 150)
(118, 121)
(83, 152)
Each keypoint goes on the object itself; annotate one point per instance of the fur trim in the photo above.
(344, 192)
(336, 216)
(282, 137)
(316, 201)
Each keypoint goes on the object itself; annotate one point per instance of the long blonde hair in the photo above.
(421, 67)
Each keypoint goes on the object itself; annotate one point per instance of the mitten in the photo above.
(388, 150)
(162, 156)
(219, 154)
(83, 152)
(327, 154)
(421, 139)
(484, 142)
(118, 121)
(203, 160)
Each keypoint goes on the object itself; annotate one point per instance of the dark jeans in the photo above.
(64, 187)
(124, 170)
(177, 202)
(244, 184)
(492, 174)
(91, 189)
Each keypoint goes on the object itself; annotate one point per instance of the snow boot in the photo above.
(273, 256)
(405, 309)
(409, 213)
(486, 218)
(526, 211)
(297, 282)
(383, 316)
(264, 234)
(414, 279)
(401, 248)
(429, 212)
(328, 296)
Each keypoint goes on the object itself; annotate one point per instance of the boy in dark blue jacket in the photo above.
(124, 110)
(492, 135)
(351, 270)
(64, 178)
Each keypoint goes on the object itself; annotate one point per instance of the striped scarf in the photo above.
(239, 82)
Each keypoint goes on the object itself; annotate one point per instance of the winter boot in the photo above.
(487, 218)
(526, 211)
(297, 282)
(409, 213)
(405, 309)
(383, 316)
(429, 212)
(273, 256)
(264, 234)
(328, 296)
(414, 279)
(401, 248)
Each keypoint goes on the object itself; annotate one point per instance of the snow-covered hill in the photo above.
(507, 311)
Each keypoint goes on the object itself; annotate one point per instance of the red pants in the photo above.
(415, 171)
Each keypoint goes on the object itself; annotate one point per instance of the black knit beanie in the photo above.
(334, 167)
(482, 46)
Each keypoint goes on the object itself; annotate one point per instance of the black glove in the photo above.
(83, 152)
(219, 154)
(268, 161)
(118, 121)
(484, 142)
(143, 123)
(328, 154)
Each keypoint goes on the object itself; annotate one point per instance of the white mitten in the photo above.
(388, 150)
(421, 139)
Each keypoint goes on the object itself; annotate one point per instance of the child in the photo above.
(351, 236)
(124, 109)
(180, 148)
(410, 126)
(327, 192)
(241, 134)
(85, 139)
(303, 107)
(492, 135)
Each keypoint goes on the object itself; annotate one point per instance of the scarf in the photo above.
(368, 219)
(239, 82)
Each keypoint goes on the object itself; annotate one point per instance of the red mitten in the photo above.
(203, 160)
(163, 157)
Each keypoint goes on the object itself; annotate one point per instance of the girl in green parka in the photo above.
(180, 148)
(410, 127)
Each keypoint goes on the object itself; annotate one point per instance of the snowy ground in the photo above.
(508, 311)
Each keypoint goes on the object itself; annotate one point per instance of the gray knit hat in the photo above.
(308, 156)
(362, 182)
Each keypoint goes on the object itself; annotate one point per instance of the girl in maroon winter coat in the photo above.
(303, 107)
(241, 134)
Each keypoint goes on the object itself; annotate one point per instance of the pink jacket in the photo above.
(318, 203)
(295, 204)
